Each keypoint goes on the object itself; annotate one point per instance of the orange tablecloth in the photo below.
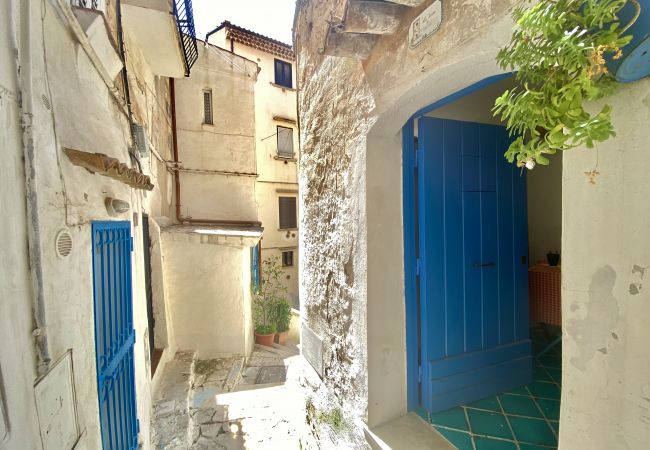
(544, 295)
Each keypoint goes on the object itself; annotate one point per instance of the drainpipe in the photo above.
(177, 177)
(24, 69)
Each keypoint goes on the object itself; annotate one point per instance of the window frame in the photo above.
(295, 218)
(291, 257)
(277, 142)
(210, 105)
(282, 80)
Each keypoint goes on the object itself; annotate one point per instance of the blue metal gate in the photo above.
(114, 334)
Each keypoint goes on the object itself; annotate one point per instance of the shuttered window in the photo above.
(207, 107)
(287, 207)
(287, 258)
(283, 73)
(285, 142)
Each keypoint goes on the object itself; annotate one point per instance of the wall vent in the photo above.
(63, 244)
(140, 139)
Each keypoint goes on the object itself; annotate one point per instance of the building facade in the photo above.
(87, 131)
(373, 88)
(276, 143)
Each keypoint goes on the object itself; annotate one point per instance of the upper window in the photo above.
(285, 142)
(283, 73)
(287, 207)
(207, 106)
(287, 258)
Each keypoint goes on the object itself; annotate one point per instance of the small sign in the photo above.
(425, 24)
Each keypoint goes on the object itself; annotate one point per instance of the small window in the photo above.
(287, 206)
(283, 73)
(285, 142)
(207, 107)
(287, 258)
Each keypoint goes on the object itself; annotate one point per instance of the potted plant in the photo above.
(268, 294)
(282, 319)
(559, 50)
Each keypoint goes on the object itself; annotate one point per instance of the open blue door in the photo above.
(114, 334)
(473, 264)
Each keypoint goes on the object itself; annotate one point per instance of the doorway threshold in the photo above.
(524, 418)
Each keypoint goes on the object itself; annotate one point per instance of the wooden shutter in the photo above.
(285, 142)
(287, 207)
(207, 107)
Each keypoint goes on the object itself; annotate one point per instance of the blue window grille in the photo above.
(114, 334)
(283, 73)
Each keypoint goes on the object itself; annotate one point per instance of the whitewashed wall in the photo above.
(67, 104)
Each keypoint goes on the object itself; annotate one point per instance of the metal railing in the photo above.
(186, 31)
(90, 4)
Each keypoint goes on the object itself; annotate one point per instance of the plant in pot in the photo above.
(558, 51)
(282, 319)
(265, 298)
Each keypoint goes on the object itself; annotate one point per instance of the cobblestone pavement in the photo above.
(232, 403)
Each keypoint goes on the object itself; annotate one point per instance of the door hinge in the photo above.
(131, 242)
(415, 159)
(420, 374)
(417, 267)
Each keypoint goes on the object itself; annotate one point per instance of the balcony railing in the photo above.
(185, 23)
(90, 4)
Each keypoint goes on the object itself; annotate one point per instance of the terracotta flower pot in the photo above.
(281, 337)
(265, 339)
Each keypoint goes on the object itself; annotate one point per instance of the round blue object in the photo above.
(635, 62)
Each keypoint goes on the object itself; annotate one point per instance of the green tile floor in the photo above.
(525, 418)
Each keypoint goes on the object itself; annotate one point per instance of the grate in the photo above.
(63, 244)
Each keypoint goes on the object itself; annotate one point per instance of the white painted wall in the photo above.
(17, 358)
(605, 276)
(219, 158)
(274, 174)
(67, 104)
(209, 300)
(544, 196)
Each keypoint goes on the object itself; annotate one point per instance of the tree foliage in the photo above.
(558, 51)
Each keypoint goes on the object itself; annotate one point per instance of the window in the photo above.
(285, 142)
(207, 107)
(287, 206)
(283, 73)
(287, 258)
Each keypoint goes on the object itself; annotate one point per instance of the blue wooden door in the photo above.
(473, 248)
(114, 334)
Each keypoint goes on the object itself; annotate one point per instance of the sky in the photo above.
(272, 18)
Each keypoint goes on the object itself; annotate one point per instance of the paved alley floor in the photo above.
(232, 403)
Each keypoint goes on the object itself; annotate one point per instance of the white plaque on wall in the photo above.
(55, 406)
(425, 24)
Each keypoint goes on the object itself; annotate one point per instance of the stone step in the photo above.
(277, 350)
(170, 424)
(234, 375)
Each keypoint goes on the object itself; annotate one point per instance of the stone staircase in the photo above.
(185, 413)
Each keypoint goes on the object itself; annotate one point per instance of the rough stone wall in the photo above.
(332, 228)
(340, 100)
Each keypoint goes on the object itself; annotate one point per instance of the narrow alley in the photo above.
(324, 225)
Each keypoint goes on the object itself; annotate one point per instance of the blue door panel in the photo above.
(453, 239)
(432, 242)
(114, 334)
(473, 250)
(489, 274)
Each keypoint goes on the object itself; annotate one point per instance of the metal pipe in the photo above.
(24, 68)
(177, 175)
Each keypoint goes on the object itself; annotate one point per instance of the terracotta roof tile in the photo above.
(257, 41)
